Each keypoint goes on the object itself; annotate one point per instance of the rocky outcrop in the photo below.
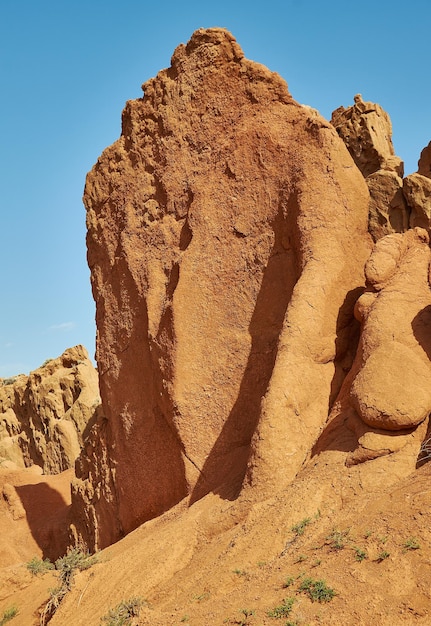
(424, 165)
(386, 398)
(44, 416)
(227, 234)
(417, 191)
(366, 130)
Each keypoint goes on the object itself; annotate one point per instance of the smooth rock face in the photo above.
(227, 234)
(43, 416)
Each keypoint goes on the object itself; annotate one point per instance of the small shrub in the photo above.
(382, 556)
(9, 381)
(360, 555)
(244, 621)
(288, 582)
(337, 540)
(66, 567)
(8, 614)
(39, 567)
(240, 572)
(300, 527)
(301, 558)
(122, 614)
(283, 610)
(412, 544)
(317, 590)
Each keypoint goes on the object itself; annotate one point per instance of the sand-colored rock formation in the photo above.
(272, 437)
(385, 400)
(366, 130)
(424, 164)
(227, 234)
(44, 416)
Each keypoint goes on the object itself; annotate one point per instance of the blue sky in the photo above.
(67, 69)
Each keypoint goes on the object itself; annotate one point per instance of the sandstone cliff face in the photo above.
(43, 416)
(227, 235)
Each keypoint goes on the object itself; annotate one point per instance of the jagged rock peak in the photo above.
(366, 130)
(43, 416)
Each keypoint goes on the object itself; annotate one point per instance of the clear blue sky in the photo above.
(67, 69)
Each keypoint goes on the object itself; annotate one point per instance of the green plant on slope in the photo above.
(337, 540)
(66, 566)
(300, 527)
(123, 613)
(283, 610)
(412, 544)
(39, 566)
(8, 614)
(360, 554)
(317, 590)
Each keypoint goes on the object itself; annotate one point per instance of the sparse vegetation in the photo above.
(66, 566)
(425, 451)
(288, 582)
(283, 610)
(9, 381)
(244, 619)
(39, 567)
(338, 539)
(317, 590)
(411, 544)
(360, 555)
(123, 613)
(8, 614)
(240, 572)
(301, 558)
(382, 556)
(300, 527)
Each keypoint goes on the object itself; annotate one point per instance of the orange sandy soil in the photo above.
(203, 565)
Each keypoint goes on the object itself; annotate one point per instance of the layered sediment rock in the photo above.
(43, 416)
(227, 235)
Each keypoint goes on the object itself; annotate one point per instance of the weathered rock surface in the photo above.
(227, 234)
(43, 416)
(389, 212)
(387, 393)
(424, 165)
(417, 191)
(366, 130)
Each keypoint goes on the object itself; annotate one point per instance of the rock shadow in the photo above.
(47, 517)
(224, 469)
(421, 326)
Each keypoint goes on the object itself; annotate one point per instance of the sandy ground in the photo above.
(222, 562)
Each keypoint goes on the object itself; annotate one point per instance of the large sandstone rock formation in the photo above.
(44, 416)
(227, 235)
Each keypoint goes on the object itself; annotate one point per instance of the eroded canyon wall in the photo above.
(44, 417)
(227, 236)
